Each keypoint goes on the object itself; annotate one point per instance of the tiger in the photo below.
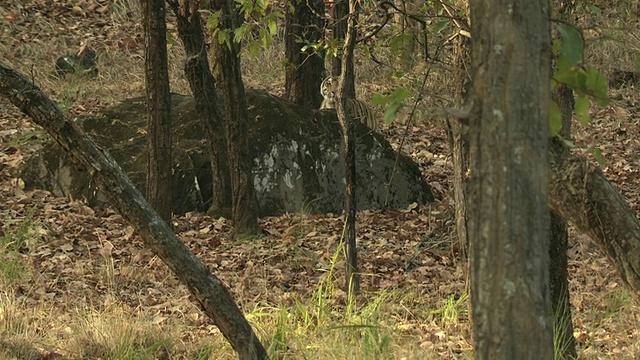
(357, 109)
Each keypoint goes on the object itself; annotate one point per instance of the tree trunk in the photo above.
(339, 25)
(304, 69)
(207, 289)
(459, 143)
(565, 343)
(244, 211)
(346, 121)
(159, 167)
(508, 187)
(202, 85)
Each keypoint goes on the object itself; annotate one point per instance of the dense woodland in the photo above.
(534, 229)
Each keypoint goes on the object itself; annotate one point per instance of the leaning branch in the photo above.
(210, 292)
(582, 195)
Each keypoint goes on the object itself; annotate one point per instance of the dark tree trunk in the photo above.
(202, 85)
(508, 187)
(564, 341)
(244, 211)
(346, 121)
(159, 106)
(206, 288)
(339, 25)
(304, 70)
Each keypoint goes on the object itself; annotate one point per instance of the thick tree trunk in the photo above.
(244, 211)
(582, 195)
(208, 290)
(202, 85)
(159, 106)
(352, 280)
(508, 187)
(304, 70)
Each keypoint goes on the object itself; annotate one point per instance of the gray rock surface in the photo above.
(297, 161)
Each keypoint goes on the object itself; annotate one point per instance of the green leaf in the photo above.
(391, 112)
(223, 37)
(555, 119)
(597, 86)
(570, 77)
(556, 46)
(581, 109)
(266, 38)
(273, 27)
(397, 95)
(441, 25)
(597, 154)
(638, 63)
(214, 20)
(379, 99)
(572, 43)
(563, 63)
(239, 32)
(400, 93)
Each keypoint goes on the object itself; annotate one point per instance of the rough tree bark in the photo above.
(459, 139)
(202, 85)
(244, 211)
(159, 105)
(508, 187)
(582, 195)
(304, 70)
(208, 290)
(352, 280)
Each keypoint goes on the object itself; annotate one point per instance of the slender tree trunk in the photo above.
(203, 88)
(352, 280)
(206, 288)
(339, 24)
(244, 209)
(508, 187)
(459, 143)
(159, 105)
(305, 69)
(564, 341)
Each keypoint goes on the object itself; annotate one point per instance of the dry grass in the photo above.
(94, 304)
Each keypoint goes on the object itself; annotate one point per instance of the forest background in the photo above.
(72, 274)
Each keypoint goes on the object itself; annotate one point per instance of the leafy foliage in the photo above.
(258, 29)
(394, 101)
(586, 82)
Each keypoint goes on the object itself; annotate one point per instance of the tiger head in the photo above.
(328, 91)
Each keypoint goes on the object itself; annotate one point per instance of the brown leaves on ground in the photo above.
(85, 272)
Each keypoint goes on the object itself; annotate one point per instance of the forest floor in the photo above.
(77, 282)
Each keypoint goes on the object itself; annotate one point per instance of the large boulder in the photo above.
(296, 152)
